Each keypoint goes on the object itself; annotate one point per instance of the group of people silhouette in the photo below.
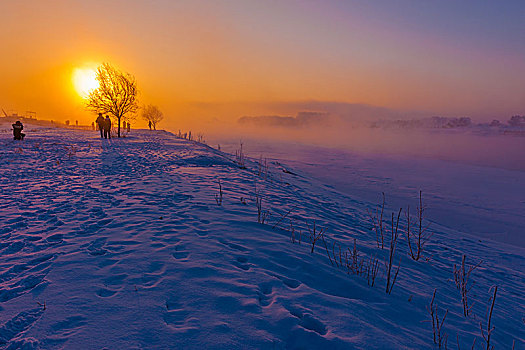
(104, 125)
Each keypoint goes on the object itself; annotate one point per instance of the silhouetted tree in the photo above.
(152, 114)
(116, 94)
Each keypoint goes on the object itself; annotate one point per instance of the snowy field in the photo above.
(121, 244)
(479, 199)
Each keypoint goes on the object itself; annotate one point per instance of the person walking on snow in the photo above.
(107, 128)
(101, 122)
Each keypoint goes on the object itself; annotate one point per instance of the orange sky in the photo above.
(190, 56)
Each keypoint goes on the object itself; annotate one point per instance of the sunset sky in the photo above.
(189, 57)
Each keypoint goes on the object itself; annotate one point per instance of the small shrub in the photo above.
(314, 234)
(416, 240)
(440, 337)
(240, 158)
(372, 267)
(262, 168)
(461, 278)
(262, 215)
(392, 276)
(486, 334)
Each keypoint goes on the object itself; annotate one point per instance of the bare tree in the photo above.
(151, 113)
(116, 94)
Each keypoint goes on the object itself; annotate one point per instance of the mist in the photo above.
(466, 169)
(369, 129)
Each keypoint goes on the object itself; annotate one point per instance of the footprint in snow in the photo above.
(242, 263)
(233, 245)
(151, 277)
(156, 267)
(178, 317)
(291, 283)
(68, 327)
(106, 293)
(180, 253)
(147, 280)
(264, 293)
(95, 248)
(307, 321)
(55, 239)
(201, 233)
(13, 247)
(15, 285)
(19, 324)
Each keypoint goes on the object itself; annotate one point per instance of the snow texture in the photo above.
(121, 245)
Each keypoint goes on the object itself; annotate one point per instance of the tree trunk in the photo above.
(118, 130)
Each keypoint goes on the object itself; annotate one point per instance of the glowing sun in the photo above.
(84, 81)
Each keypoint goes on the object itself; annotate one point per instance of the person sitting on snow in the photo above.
(17, 130)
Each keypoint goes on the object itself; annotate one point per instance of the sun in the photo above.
(84, 81)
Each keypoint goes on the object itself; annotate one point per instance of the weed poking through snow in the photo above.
(416, 240)
(240, 158)
(262, 215)
(218, 197)
(394, 234)
(486, 333)
(314, 234)
(461, 278)
(440, 337)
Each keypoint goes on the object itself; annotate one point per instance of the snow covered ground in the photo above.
(121, 245)
(477, 199)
